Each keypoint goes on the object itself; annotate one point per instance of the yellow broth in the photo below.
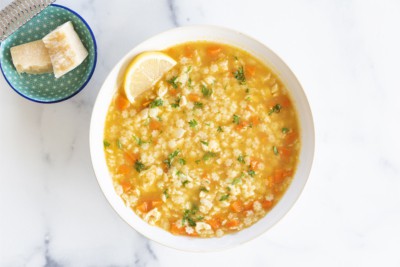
(210, 149)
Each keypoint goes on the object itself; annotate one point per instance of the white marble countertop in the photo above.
(345, 53)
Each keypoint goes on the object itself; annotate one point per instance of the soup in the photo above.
(210, 148)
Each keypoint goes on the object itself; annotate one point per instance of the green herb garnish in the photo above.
(177, 102)
(139, 166)
(224, 197)
(209, 155)
(252, 173)
(275, 149)
(171, 157)
(285, 130)
(193, 123)
(188, 69)
(139, 141)
(236, 180)
(156, 103)
(275, 109)
(236, 119)
(198, 105)
(219, 129)
(239, 75)
(165, 192)
(204, 142)
(184, 183)
(106, 143)
(190, 83)
(241, 159)
(206, 92)
(119, 144)
(197, 161)
(173, 82)
(204, 189)
(182, 161)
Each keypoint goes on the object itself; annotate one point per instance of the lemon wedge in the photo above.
(144, 71)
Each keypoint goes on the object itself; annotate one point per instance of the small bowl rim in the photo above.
(308, 158)
(83, 85)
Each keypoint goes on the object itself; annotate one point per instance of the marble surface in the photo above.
(345, 53)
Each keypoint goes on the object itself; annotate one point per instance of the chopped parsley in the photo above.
(208, 155)
(193, 123)
(119, 144)
(204, 189)
(275, 109)
(252, 173)
(206, 92)
(156, 103)
(139, 166)
(173, 82)
(224, 197)
(197, 161)
(139, 141)
(275, 149)
(190, 83)
(165, 192)
(241, 159)
(219, 129)
(204, 142)
(236, 119)
(182, 161)
(188, 69)
(106, 143)
(171, 157)
(177, 102)
(239, 75)
(187, 216)
(285, 130)
(248, 98)
(198, 105)
(247, 90)
(159, 118)
(236, 180)
(184, 183)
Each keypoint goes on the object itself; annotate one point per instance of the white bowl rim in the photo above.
(202, 244)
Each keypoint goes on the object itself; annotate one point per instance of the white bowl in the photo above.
(221, 35)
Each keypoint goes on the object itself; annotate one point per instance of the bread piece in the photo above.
(31, 58)
(65, 49)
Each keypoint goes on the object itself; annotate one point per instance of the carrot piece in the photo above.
(130, 158)
(188, 51)
(126, 185)
(173, 92)
(174, 229)
(193, 97)
(285, 152)
(266, 204)
(232, 223)
(242, 125)
(254, 120)
(122, 103)
(248, 206)
(215, 223)
(280, 175)
(214, 50)
(237, 206)
(155, 125)
(143, 207)
(156, 203)
(254, 163)
(290, 138)
(283, 100)
(250, 71)
(123, 169)
(145, 104)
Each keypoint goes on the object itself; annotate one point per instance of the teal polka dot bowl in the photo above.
(45, 88)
